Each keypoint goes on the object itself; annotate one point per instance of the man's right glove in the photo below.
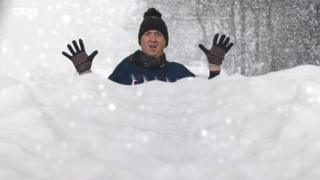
(79, 58)
(216, 54)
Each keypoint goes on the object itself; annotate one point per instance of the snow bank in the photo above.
(56, 126)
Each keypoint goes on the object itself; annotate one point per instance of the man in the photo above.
(150, 62)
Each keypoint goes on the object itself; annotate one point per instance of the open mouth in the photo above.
(152, 46)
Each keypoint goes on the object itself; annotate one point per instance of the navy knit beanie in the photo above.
(152, 21)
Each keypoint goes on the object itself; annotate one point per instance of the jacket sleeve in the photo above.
(213, 74)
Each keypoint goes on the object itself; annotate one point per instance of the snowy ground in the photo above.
(231, 127)
(56, 125)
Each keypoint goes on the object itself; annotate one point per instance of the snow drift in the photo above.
(62, 127)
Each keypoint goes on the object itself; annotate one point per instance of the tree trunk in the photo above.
(257, 34)
(271, 45)
(242, 37)
(318, 24)
(201, 23)
(233, 28)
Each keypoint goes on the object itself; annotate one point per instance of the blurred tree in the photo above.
(269, 35)
(4, 4)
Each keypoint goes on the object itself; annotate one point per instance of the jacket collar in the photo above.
(149, 62)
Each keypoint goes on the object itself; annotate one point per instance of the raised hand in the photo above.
(79, 57)
(218, 50)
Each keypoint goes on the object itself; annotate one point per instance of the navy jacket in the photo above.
(129, 73)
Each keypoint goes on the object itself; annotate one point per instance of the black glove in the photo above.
(216, 54)
(79, 58)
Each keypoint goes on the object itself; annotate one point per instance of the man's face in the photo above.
(153, 43)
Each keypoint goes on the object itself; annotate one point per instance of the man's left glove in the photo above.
(216, 54)
(81, 61)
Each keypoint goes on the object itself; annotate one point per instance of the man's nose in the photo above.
(153, 37)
